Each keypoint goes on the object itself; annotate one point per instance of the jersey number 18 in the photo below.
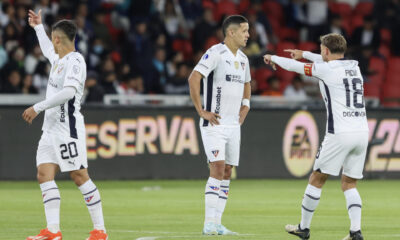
(357, 91)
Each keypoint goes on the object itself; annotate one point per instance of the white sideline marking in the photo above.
(146, 238)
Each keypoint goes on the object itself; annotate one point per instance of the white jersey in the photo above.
(224, 77)
(341, 85)
(70, 70)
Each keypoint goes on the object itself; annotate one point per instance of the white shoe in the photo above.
(210, 229)
(222, 230)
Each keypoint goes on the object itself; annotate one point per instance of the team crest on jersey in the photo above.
(236, 64)
(215, 152)
(243, 65)
(87, 199)
(76, 69)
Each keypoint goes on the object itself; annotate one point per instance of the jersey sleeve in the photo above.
(312, 56)
(45, 44)
(74, 76)
(207, 63)
(319, 70)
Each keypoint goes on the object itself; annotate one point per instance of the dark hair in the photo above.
(66, 26)
(233, 19)
(334, 42)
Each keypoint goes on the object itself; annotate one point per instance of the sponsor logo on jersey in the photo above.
(354, 114)
(236, 64)
(218, 103)
(88, 199)
(300, 143)
(243, 65)
(62, 113)
(214, 188)
(215, 152)
(308, 69)
(234, 78)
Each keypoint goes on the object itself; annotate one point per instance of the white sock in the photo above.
(223, 197)
(309, 204)
(92, 199)
(211, 199)
(51, 202)
(353, 202)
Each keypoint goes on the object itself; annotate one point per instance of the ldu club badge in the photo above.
(236, 64)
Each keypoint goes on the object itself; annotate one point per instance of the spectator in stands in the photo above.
(3, 55)
(172, 17)
(254, 47)
(335, 26)
(83, 35)
(110, 83)
(158, 72)
(33, 59)
(132, 84)
(179, 84)
(139, 50)
(295, 90)
(94, 92)
(259, 28)
(313, 15)
(256, 6)
(41, 76)
(367, 34)
(27, 85)
(13, 82)
(274, 87)
(10, 37)
(172, 64)
(203, 30)
(16, 62)
(192, 10)
(100, 30)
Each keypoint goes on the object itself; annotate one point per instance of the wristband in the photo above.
(246, 102)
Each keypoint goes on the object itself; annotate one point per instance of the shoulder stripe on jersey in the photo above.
(331, 128)
(72, 120)
(210, 81)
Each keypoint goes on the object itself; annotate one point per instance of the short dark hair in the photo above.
(66, 26)
(334, 42)
(233, 19)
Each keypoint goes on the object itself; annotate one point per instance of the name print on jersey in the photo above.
(62, 115)
(218, 105)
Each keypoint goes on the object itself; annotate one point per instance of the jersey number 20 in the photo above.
(68, 151)
(357, 91)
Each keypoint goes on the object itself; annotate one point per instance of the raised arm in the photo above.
(299, 54)
(35, 21)
(285, 63)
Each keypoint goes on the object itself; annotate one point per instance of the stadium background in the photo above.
(141, 125)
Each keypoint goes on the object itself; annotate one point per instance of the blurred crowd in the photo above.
(150, 46)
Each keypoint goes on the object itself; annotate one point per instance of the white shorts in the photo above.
(68, 153)
(347, 150)
(222, 143)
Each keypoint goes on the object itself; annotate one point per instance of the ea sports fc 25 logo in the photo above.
(300, 143)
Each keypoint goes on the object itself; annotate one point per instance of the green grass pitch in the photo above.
(147, 210)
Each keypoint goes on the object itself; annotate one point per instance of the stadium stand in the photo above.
(148, 40)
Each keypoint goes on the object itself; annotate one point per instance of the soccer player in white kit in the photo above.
(63, 142)
(225, 71)
(346, 139)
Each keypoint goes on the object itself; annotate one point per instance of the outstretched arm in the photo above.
(299, 54)
(285, 63)
(35, 21)
(60, 98)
